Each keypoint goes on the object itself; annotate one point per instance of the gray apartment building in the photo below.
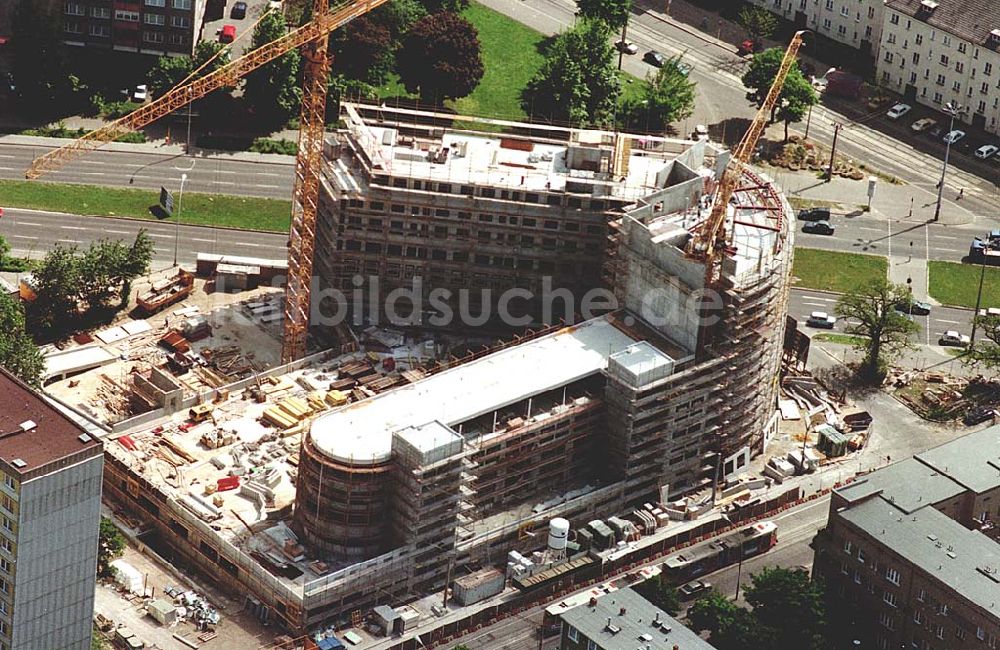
(157, 27)
(911, 550)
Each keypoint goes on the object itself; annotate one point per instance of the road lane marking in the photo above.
(242, 243)
(198, 239)
(73, 228)
(869, 229)
(942, 320)
(818, 304)
(156, 234)
(71, 241)
(119, 232)
(24, 237)
(28, 223)
(944, 237)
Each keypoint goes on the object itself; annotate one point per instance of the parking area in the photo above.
(220, 13)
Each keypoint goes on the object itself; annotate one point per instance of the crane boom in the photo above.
(227, 75)
(712, 232)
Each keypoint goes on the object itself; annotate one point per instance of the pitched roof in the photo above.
(970, 20)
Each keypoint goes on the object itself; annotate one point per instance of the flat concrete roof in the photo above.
(361, 433)
(973, 460)
(908, 485)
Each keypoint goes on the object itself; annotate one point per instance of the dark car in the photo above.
(814, 214)
(978, 415)
(914, 307)
(693, 589)
(239, 11)
(818, 228)
(654, 58)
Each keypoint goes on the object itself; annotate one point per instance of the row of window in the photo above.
(78, 9)
(493, 193)
(104, 31)
(376, 223)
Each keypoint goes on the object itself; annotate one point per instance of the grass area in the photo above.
(834, 270)
(199, 209)
(956, 284)
(843, 339)
(805, 204)
(511, 57)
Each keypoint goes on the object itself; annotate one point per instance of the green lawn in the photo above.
(835, 271)
(956, 284)
(511, 57)
(843, 339)
(200, 209)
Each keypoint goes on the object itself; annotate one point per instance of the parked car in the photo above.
(898, 111)
(684, 68)
(987, 151)
(821, 319)
(990, 311)
(141, 93)
(700, 132)
(227, 34)
(914, 307)
(818, 228)
(978, 415)
(814, 214)
(923, 124)
(953, 338)
(627, 48)
(654, 58)
(693, 589)
(239, 11)
(954, 136)
(749, 46)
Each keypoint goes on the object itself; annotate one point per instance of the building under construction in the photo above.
(671, 389)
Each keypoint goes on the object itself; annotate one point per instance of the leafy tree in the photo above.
(613, 12)
(797, 95)
(204, 51)
(440, 57)
(886, 331)
(272, 90)
(18, 353)
(57, 283)
(398, 16)
(986, 352)
(454, 6)
(660, 593)
(110, 546)
(167, 73)
(366, 51)
(712, 613)
(39, 63)
(578, 81)
(787, 602)
(668, 96)
(759, 22)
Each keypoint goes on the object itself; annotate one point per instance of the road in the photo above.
(213, 175)
(31, 233)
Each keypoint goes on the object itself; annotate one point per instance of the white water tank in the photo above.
(558, 534)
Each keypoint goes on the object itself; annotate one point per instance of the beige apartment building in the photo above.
(934, 52)
(854, 23)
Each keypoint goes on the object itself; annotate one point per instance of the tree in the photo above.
(668, 96)
(797, 95)
(660, 593)
(789, 604)
(18, 353)
(759, 22)
(57, 284)
(110, 546)
(136, 262)
(398, 16)
(613, 12)
(886, 331)
(167, 73)
(454, 6)
(578, 81)
(272, 90)
(365, 51)
(39, 63)
(440, 58)
(712, 613)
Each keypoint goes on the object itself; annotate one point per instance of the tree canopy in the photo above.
(440, 58)
(759, 22)
(398, 16)
(660, 593)
(110, 546)
(578, 81)
(365, 51)
(613, 12)
(18, 353)
(668, 96)
(40, 66)
(272, 90)
(797, 94)
(885, 332)
(986, 352)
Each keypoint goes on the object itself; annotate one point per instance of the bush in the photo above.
(57, 131)
(114, 110)
(267, 145)
(135, 137)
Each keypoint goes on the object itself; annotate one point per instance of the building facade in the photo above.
(911, 550)
(938, 52)
(156, 27)
(854, 23)
(50, 502)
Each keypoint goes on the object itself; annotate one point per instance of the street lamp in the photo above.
(952, 109)
(739, 567)
(177, 219)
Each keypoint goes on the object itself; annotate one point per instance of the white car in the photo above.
(990, 311)
(951, 137)
(898, 111)
(952, 337)
(821, 319)
(987, 151)
(141, 93)
(700, 132)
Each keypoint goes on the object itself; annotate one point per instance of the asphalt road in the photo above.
(32, 233)
(215, 175)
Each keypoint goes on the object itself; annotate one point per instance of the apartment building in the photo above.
(50, 500)
(934, 52)
(854, 23)
(157, 27)
(911, 550)
(623, 620)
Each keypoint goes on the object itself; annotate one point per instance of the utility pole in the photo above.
(621, 48)
(952, 109)
(177, 219)
(809, 116)
(979, 296)
(837, 126)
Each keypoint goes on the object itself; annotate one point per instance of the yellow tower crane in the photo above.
(312, 38)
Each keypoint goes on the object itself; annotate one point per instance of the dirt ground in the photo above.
(236, 629)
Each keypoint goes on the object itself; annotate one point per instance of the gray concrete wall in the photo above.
(57, 558)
